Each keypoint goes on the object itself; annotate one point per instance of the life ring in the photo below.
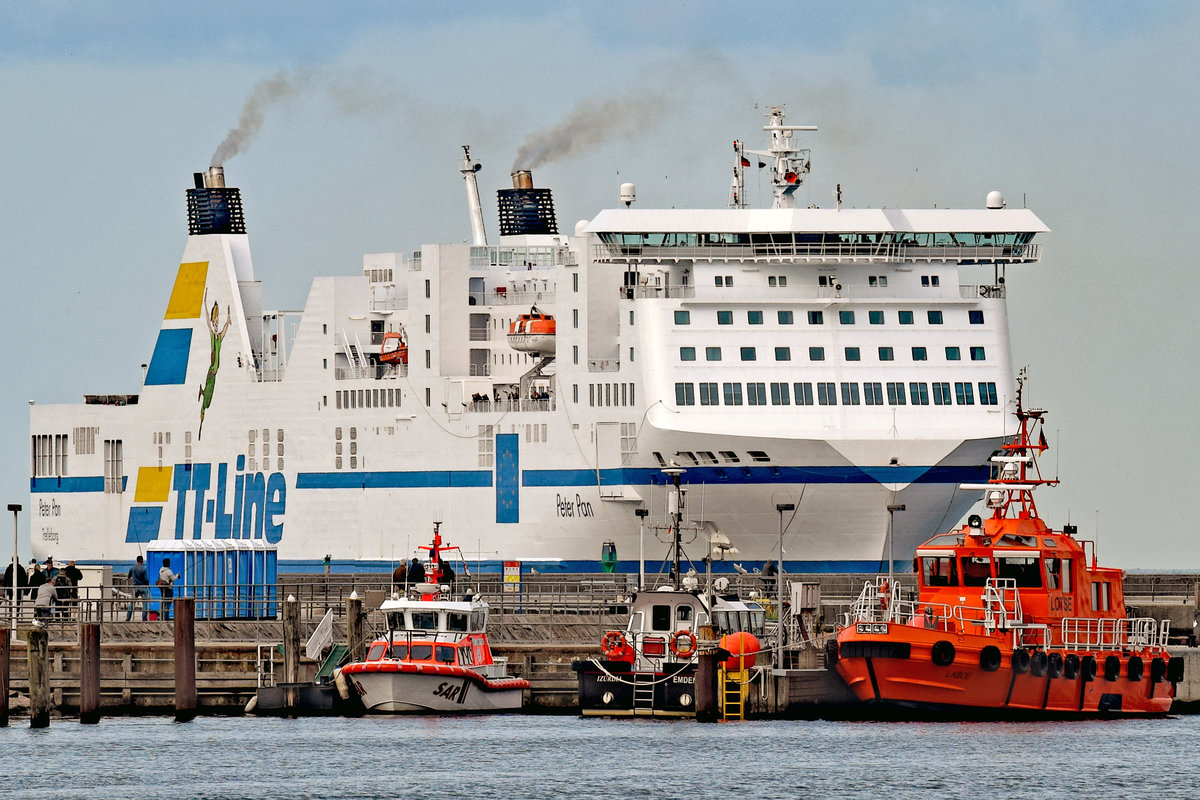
(884, 592)
(687, 636)
(943, 653)
(612, 643)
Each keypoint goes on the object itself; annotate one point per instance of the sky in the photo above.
(1086, 112)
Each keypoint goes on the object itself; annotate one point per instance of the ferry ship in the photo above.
(530, 392)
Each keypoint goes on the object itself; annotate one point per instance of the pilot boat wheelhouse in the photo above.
(1012, 618)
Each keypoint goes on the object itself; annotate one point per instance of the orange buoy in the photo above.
(742, 647)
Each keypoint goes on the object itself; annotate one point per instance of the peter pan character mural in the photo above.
(214, 363)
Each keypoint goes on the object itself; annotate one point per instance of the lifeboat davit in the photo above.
(394, 349)
(532, 332)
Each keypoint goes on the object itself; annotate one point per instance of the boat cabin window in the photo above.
(660, 618)
(478, 619)
(445, 653)
(376, 652)
(976, 570)
(456, 621)
(1101, 596)
(395, 620)
(636, 621)
(939, 571)
(1025, 570)
(421, 652)
(424, 620)
(1058, 574)
(683, 614)
(399, 652)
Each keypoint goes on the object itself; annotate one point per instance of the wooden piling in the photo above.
(185, 659)
(291, 651)
(37, 642)
(706, 677)
(355, 621)
(5, 674)
(89, 673)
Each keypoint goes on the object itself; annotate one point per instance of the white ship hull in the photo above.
(285, 426)
(413, 693)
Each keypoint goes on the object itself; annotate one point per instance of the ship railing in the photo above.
(969, 291)
(1086, 633)
(819, 253)
(538, 257)
(880, 602)
(663, 291)
(1001, 604)
(510, 296)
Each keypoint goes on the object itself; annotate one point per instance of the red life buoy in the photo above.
(685, 651)
(613, 643)
(884, 593)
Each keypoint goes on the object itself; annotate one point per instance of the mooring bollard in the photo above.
(185, 659)
(37, 642)
(355, 618)
(89, 673)
(291, 651)
(5, 674)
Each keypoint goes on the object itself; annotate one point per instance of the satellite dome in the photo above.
(581, 226)
(995, 199)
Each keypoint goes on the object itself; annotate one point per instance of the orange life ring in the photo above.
(612, 643)
(683, 652)
(884, 593)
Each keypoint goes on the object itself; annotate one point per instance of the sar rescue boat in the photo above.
(1011, 618)
(532, 333)
(434, 657)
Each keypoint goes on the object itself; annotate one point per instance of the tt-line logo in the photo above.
(231, 504)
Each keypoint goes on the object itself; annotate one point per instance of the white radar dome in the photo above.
(995, 199)
(581, 226)
(627, 194)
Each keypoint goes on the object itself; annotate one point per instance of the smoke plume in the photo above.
(266, 93)
(591, 124)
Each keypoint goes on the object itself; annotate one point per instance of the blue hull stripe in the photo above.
(394, 480)
(751, 475)
(88, 483)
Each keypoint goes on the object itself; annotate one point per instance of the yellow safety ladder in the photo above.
(732, 693)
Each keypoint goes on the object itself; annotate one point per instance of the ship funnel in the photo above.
(212, 207)
(524, 209)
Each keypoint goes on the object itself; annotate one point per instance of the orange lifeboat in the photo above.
(394, 349)
(532, 332)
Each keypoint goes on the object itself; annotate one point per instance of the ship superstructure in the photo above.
(831, 358)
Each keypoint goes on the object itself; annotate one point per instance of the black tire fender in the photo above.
(943, 653)
(990, 658)
(1020, 661)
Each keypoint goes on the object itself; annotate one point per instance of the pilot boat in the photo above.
(649, 668)
(434, 657)
(1011, 618)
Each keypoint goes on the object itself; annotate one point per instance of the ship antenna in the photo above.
(468, 170)
(791, 163)
(737, 189)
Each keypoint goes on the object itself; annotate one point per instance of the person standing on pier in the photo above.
(139, 579)
(166, 586)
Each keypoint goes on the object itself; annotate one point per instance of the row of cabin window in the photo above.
(934, 316)
(610, 394)
(1027, 572)
(826, 394)
(367, 398)
(708, 457)
(886, 353)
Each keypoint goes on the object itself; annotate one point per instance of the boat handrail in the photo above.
(1086, 633)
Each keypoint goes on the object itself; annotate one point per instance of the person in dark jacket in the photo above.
(22, 579)
(36, 578)
(416, 572)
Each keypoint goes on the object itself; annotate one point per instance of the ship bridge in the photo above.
(817, 236)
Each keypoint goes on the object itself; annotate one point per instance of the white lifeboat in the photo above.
(532, 332)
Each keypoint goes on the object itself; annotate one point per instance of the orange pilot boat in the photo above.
(1011, 618)
(532, 333)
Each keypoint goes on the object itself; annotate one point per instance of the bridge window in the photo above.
(749, 354)
(756, 394)
(712, 354)
(827, 394)
(886, 354)
(873, 394)
(1025, 570)
(816, 354)
(660, 618)
(964, 394)
(919, 392)
(953, 354)
(846, 317)
(987, 393)
(709, 395)
(939, 571)
(906, 317)
(875, 317)
(724, 317)
(895, 392)
(783, 354)
(779, 394)
(687, 354)
(852, 354)
(920, 354)
(941, 394)
(977, 354)
(816, 318)
(975, 316)
(976, 570)
(934, 316)
(733, 394)
(683, 317)
(849, 394)
(785, 317)
(685, 394)
(804, 393)
(754, 317)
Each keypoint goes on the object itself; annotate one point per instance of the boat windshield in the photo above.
(939, 571)
(1025, 570)
(456, 621)
(976, 570)
(424, 620)
(445, 653)
(421, 652)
